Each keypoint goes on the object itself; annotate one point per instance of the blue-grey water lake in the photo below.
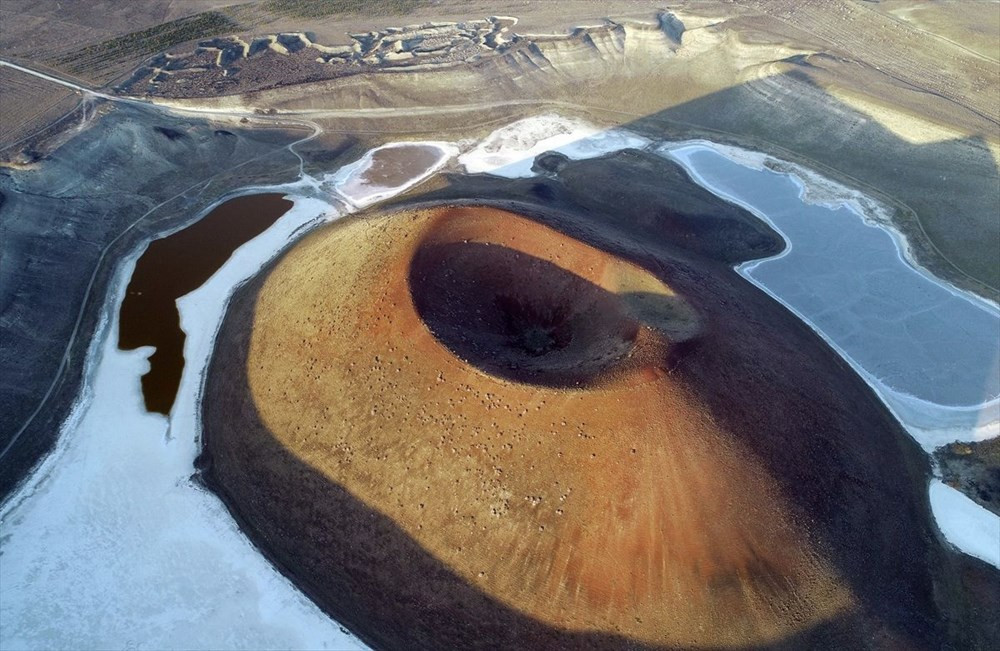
(847, 278)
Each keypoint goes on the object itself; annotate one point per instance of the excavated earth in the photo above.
(519, 424)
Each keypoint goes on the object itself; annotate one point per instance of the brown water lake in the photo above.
(174, 266)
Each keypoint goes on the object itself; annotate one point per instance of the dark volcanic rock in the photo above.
(66, 222)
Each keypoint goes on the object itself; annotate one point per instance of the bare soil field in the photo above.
(912, 56)
(545, 435)
(100, 42)
(59, 35)
(472, 484)
(814, 83)
(28, 105)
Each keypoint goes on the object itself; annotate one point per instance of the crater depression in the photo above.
(479, 283)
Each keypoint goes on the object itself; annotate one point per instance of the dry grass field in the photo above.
(58, 35)
(968, 25)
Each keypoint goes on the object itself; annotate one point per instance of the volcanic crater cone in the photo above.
(455, 423)
(582, 318)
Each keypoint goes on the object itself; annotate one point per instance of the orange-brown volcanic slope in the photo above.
(456, 426)
(573, 478)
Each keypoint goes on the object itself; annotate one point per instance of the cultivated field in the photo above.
(28, 105)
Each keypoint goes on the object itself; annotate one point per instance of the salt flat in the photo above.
(930, 351)
(111, 544)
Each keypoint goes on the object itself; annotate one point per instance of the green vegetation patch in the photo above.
(321, 8)
(145, 42)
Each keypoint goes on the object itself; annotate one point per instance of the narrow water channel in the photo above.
(174, 266)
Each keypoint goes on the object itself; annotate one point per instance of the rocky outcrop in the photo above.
(233, 64)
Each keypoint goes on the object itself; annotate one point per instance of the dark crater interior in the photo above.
(520, 317)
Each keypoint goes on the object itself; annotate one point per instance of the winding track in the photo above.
(290, 119)
(293, 119)
(317, 130)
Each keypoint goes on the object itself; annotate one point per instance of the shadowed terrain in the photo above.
(65, 226)
(530, 320)
(943, 187)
